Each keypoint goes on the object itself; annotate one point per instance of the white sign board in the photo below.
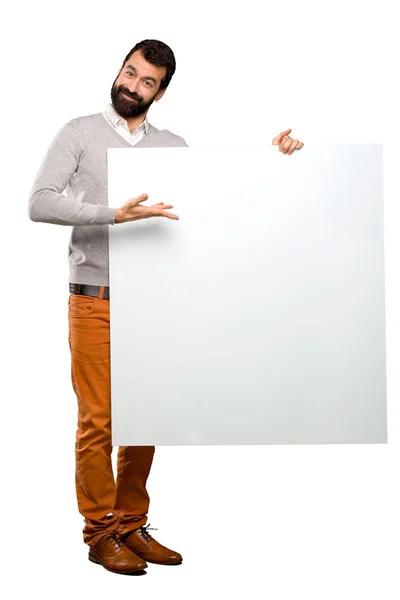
(259, 316)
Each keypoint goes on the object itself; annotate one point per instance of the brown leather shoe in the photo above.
(144, 545)
(114, 556)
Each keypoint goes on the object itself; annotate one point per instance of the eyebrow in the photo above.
(133, 69)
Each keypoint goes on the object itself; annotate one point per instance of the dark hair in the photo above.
(159, 54)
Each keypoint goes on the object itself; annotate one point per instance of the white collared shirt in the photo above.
(121, 126)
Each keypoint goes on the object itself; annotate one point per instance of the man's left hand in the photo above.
(286, 144)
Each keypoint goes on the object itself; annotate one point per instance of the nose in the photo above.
(133, 86)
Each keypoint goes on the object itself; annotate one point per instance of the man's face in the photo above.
(140, 81)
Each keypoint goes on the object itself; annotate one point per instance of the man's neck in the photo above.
(134, 122)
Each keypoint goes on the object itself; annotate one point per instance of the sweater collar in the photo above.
(116, 119)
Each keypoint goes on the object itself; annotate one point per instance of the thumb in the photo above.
(282, 135)
(141, 198)
(279, 137)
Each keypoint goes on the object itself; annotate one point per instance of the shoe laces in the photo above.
(115, 540)
(144, 532)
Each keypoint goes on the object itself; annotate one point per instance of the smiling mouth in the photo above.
(129, 98)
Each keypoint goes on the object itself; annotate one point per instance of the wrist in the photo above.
(118, 216)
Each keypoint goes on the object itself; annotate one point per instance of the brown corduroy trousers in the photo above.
(106, 505)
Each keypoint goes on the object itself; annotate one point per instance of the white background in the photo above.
(281, 522)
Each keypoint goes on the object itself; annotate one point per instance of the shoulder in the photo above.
(79, 131)
(166, 137)
(86, 122)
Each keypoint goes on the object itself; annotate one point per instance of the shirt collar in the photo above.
(116, 119)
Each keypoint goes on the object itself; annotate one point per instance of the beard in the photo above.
(129, 108)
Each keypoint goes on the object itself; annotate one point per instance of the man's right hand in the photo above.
(133, 210)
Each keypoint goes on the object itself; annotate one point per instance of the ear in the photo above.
(160, 95)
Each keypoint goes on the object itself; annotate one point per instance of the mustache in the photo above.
(134, 96)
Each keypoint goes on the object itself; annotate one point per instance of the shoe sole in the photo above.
(154, 562)
(97, 561)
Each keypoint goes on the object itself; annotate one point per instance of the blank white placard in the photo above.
(259, 316)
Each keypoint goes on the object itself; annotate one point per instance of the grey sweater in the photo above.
(76, 162)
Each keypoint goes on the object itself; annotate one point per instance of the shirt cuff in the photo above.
(106, 215)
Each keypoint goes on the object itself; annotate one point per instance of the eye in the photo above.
(148, 83)
(129, 73)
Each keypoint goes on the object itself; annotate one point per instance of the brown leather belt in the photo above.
(88, 290)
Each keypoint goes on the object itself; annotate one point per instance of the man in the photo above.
(115, 512)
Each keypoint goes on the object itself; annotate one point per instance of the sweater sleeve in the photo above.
(47, 203)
